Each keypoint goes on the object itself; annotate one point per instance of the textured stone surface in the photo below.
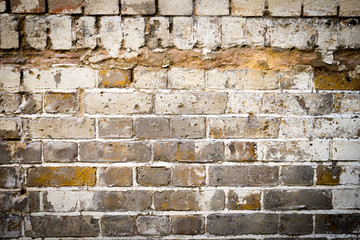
(136, 7)
(117, 226)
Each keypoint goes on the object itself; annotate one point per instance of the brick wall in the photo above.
(201, 119)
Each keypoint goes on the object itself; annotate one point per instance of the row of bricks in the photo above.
(149, 225)
(251, 127)
(115, 32)
(180, 176)
(283, 8)
(179, 102)
(301, 77)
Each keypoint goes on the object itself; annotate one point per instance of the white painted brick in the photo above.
(208, 33)
(150, 78)
(347, 103)
(211, 7)
(36, 32)
(248, 7)
(349, 34)
(255, 31)
(84, 32)
(347, 199)
(175, 8)
(138, 7)
(117, 103)
(327, 34)
(284, 8)
(110, 33)
(335, 128)
(159, 35)
(232, 31)
(77, 78)
(350, 175)
(9, 128)
(317, 150)
(346, 150)
(61, 201)
(294, 127)
(60, 32)
(101, 7)
(244, 103)
(300, 78)
(134, 33)
(221, 79)
(349, 8)
(2, 6)
(320, 7)
(261, 80)
(183, 32)
(9, 36)
(9, 78)
(182, 78)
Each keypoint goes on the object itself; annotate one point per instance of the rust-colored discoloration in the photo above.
(65, 6)
(334, 80)
(242, 151)
(22, 6)
(249, 201)
(114, 78)
(328, 175)
(61, 176)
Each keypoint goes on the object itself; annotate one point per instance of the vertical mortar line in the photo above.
(262, 200)
(41, 199)
(226, 193)
(314, 222)
(97, 128)
(134, 177)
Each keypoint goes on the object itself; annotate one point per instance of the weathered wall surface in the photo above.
(201, 119)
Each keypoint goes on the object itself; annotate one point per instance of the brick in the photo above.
(9, 36)
(288, 8)
(10, 78)
(294, 127)
(179, 102)
(10, 226)
(297, 175)
(296, 224)
(28, 152)
(232, 32)
(60, 102)
(348, 33)
(189, 151)
(175, 8)
(153, 225)
(181, 78)
(70, 128)
(117, 225)
(328, 175)
(101, 7)
(317, 150)
(116, 128)
(207, 32)
(150, 78)
(11, 177)
(158, 32)
(347, 103)
(6, 152)
(243, 176)
(330, 80)
(211, 7)
(27, 6)
(62, 226)
(123, 201)
(9, 128)
(9, 103)
(335, 127)
(152, 128)
(187, 225)
(65, 7)
(183, 32)
(220, 79)
(153, 176)
(60, 152)
(134, 33)
(261, 80)
(61, 201)
(300, 78)
(349, 8)
(236, 224)
(350, 175)
(320, 8)
(30, 103)
(60, 176)
(188, 176)
(117, 102)
(241, 151)
(68, 78)
(138, 7)
(189, 200)
(114, 78)
(2, 5)
(242, 102)
(328, 36)
(255, 31)
(251, 127)
(17, 202)
(244, 200)
(110, 33)
(115, 177)
(346, 199)
(247, 8)
(115, 152)
(188, 127)
(36, 32)
(309, 199)
(346, 150)
(84, 32)
(60, 32)
(337, 223)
